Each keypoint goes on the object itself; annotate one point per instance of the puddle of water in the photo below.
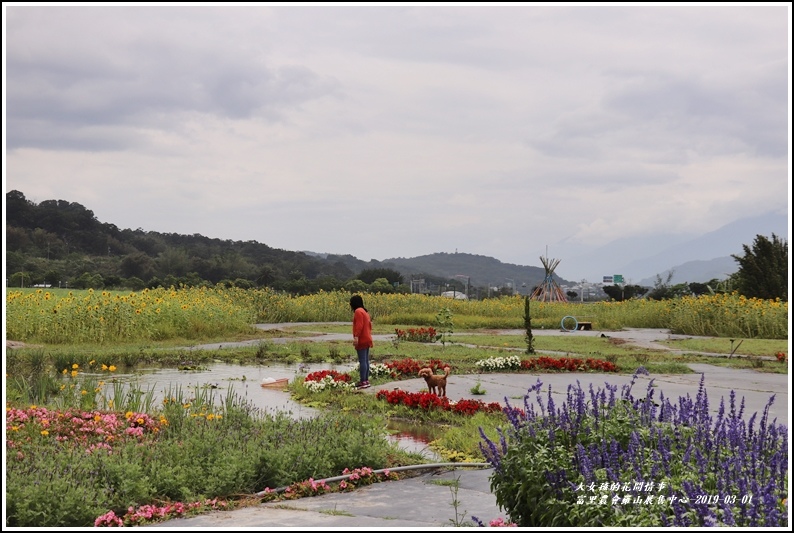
(413, 437)
(244, 382)
(222, 379)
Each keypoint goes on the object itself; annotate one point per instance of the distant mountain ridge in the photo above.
(60, 235)
(480, 270)
(696, 272)
(691, 259)
(642, 258)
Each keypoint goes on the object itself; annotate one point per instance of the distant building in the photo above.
(457, 295)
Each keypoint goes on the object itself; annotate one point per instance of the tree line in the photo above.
(61, 244)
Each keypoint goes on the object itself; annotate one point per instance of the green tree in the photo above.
(53, 277)
(356, 285)
(137, 265)
(20, 279)
(88, 281)
(173, 261)
(267, 275)
(763, 269)
(370, 275)
(445, 325)
(699, 288)
(662, 290)
(528, 327)
(135, 284)
(381, 285)
(627, 292)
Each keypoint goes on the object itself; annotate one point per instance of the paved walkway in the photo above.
(429, 501)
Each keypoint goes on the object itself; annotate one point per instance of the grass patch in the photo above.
(766, 347)
(335, 512)
(445, 482)
(462, 354)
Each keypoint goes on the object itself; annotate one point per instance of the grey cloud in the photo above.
(689, 110)
(662, 117)
(447, 35)
(47, 101)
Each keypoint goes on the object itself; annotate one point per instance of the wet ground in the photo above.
(429, 501)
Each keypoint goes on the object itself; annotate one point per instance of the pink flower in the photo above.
(499, 522)
(108, 519)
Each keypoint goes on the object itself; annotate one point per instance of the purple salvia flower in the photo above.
(491, 453)
(750, 431)
(513, 415)
(772, 515)
(679, 514)
(627, 388)
(721, 411)
(692, 493)
(553, 415)
(614, 460)
(727, 515)
(752, 512)
(585, 467)
(612, 390)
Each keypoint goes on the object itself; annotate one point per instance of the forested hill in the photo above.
(480, 270)
(61, 243)
(56, 241)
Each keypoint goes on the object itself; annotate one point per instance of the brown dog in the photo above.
(435, 384)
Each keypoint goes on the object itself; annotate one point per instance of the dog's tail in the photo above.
(446, 371)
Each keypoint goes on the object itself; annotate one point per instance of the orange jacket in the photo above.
(362, 329)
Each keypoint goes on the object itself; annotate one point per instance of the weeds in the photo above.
(477, 389)
(458, 520)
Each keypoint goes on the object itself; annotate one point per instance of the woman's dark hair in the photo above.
(356, 301)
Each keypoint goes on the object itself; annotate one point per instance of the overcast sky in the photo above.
(510, 131)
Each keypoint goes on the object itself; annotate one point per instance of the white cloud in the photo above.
(496, 130)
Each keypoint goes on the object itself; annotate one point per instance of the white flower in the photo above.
(378, 369)
(327, 382)
(499, 363)
(375, 369)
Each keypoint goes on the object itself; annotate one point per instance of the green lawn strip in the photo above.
(765, 347)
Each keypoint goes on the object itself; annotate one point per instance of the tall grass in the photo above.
(71, 317)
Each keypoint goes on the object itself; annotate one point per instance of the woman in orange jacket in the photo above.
(362, 338)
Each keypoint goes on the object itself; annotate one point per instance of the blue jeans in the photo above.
(363, 364)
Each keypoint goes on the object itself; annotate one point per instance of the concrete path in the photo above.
(428, 500)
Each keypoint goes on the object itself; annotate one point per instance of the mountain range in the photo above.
(64, 241)
(690, 258)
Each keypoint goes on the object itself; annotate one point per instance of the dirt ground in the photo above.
(17, 344)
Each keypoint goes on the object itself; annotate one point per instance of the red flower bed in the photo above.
(320, 374)
(411, 367)
(417, 334)
(427, 401)
(781, 356)
(567, 364)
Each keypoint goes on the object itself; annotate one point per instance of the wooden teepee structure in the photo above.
(549, 290)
